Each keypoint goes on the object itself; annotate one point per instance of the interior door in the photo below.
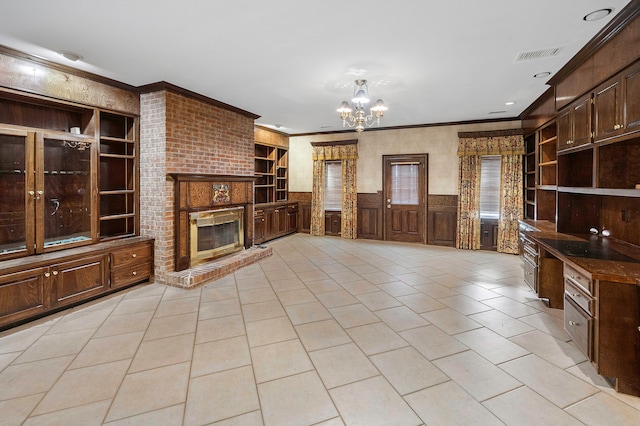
(405, 197)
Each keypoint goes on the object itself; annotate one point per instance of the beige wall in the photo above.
(440, 142)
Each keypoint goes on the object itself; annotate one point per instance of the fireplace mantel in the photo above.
(202, 192)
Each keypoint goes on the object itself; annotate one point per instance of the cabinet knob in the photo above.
(47, 275)
(55, 272)
(134, 255)
(573, 323)
(134, 273)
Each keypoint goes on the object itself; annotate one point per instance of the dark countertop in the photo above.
(604, 257)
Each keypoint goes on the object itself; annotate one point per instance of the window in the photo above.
(333, 185)
(404, 183)
(490, 187)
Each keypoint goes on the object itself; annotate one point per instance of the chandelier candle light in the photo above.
(360, 100)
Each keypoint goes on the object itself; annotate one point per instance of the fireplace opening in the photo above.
(215, 233)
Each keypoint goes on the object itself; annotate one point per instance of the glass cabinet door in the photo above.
(16, 206)
(64, 182)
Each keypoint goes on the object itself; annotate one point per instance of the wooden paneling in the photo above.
(270, 137)
(620, 51)
(370, 216)
(304, 204)
(442, 219)
(65, 84)
(199, 197)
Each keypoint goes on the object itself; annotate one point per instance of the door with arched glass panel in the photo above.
(405, 197)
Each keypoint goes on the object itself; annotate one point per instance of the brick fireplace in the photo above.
(183, 133)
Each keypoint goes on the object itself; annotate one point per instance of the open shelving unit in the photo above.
(117, 175)
(271, 173)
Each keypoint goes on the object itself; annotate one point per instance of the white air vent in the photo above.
(537, 54)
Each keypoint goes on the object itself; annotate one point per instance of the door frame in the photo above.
(423, 203)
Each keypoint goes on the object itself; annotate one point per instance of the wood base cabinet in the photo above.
(271, 221)
(42, 284)
(602, 319)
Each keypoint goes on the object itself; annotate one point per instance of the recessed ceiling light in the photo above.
(542, 74)
(597, 14)
(70, 55)
(510, 103)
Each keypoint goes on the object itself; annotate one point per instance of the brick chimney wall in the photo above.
(180, 134)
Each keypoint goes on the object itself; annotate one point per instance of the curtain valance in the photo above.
(496, 145)
(335, 152)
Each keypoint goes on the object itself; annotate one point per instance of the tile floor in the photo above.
(324, 332)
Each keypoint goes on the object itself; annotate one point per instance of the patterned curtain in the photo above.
(347, 152)
(349, 215)
(511, 203)
(468, 236)
(471, 147)
(317, 198)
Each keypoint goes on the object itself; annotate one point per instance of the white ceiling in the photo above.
(293, 61)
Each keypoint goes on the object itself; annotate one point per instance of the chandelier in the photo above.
(359, 101)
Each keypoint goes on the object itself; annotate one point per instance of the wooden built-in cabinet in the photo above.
(68, 178)
(274, 216)
(332, 223)
(56, 280)
(274, 220)
(574, 124)
(271, 183)
(540, 168)
(529, 165)
(616, 107)
(118, 175)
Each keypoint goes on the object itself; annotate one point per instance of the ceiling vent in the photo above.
(537, 54)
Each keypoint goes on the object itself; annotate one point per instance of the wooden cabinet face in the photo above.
(332, 223)
(565, 133)
(574, 124)
(631, 95)
(23, 294)
(582, 121)
(49, 186)
(606, 109)
(78, 279)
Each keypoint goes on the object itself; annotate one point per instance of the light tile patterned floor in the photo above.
(326, 331)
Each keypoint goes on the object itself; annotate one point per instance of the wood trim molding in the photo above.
(164, 86)
(66, 69)
(491, 133)
(413, 126)
(335, 143)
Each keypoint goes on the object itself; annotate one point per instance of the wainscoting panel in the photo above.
(442, 220)
(370, 216)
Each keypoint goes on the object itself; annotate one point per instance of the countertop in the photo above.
(605, 258)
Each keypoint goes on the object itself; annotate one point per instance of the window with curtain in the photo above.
(333, 185)
(490, 187)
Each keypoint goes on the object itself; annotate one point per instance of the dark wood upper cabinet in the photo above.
(574, 124)
(631, 99)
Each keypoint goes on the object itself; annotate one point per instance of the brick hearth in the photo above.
(217, 268)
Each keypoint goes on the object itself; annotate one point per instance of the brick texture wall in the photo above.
(179, 134)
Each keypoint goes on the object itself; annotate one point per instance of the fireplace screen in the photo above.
(215, 233)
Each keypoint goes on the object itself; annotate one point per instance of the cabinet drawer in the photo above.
(138, 253)
(579, 325)
(130, 274)
(531, 275)
(579, 296)
(578, 278)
